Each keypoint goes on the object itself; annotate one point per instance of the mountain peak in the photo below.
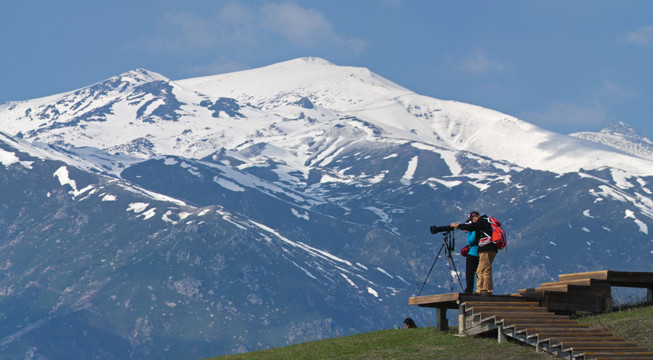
(624, 130)
(621, 136)
(308, 60)
(138, 76)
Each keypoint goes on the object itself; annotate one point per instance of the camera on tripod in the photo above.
(437, 229)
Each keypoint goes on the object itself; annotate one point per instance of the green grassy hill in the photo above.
(634, 324)
(427, 343)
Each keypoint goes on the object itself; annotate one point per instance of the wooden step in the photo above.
(600, 355)
(503, 312)
(538, 322)
(598, 275)
(519, 328)
(614, 278)
(495, 307)
(599, 289)
(579, 282)
(502, 306)
(579, 352)
(506, 303)
(572, 332)
(571, 344)
(481, 318)
(533, 315)
(583, 338)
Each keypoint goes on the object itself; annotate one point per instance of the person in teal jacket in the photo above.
(471, 262)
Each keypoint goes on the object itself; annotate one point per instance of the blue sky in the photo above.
(563, 65)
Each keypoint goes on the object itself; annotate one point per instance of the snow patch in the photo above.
(642, 225)
(301, 216)
(620, 178)
(170, 161)
(64, 179)
(447, 183)
(229, 185)
(384, 272)
(309, 249)
(148, 214)
(7, 158)
(138, 207)
(380, 213)
(410, 171)
(372, 291)
(349, 280)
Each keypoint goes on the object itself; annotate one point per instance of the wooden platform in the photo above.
(589, 291)
(443, 302)
(539, 316)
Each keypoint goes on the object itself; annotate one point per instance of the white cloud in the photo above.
(301, 26)
(642, 36)
(241, 25)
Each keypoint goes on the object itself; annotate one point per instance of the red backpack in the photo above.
(498, 236)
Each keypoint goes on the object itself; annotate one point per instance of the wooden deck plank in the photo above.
(598, 275)
(453, 300)
(448, 301)
(614, 278)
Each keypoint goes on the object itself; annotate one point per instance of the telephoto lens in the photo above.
(436, 229)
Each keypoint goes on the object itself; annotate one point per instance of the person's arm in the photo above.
(467, 226)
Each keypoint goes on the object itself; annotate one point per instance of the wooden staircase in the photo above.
(540, 316)
(532, 324)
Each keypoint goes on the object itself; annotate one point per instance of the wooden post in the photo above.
(649, 296)
(501, 337)
(461, 320)
(608, 304)
(441, 323)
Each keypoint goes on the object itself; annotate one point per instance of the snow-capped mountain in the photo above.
(141, 114)
(206, 216)
(621, 137)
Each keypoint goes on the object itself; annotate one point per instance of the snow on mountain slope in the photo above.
(142, 114)
(338, 88)
(621, 137)
(411, 117)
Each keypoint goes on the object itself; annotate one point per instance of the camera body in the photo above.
(436, 229)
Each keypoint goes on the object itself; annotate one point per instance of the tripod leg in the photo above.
(453, 263)
(457, 274)
(429, 274)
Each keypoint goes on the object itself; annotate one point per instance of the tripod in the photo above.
(448, 244)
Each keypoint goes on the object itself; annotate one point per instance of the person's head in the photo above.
(473, 216)
(409, 324)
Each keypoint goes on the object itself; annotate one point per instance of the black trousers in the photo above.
(471, 263)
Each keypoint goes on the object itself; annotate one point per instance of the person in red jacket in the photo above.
(486, 249)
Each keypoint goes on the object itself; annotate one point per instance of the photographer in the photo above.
(486, 249)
